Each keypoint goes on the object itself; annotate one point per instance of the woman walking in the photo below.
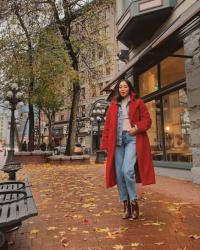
(127, 145)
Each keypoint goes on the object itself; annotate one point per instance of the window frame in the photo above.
(158, 95)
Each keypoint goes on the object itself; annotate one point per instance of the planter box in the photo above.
(74, 159)
(34, 157)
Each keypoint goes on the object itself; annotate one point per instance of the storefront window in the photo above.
(177, 126)
(148, 81)
(155, 132)
(169, 134)
(172, 69)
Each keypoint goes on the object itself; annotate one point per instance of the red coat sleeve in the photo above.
(145, 120)
(106, 129)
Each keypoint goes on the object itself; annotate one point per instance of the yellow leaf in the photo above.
(90, 200)
(152, 223)
(181, 203)
(62, 233)
(195, 236)
(174, 209)
(111, 236)
(34, 231)
(107, 211)
(123, 229)
(77, 216)
(135, 244)
(159, 243)
(72, 229)
(88, 205)
(51, 228)
(118, 247)
(102, 230)
(158, 223)
(97, 215)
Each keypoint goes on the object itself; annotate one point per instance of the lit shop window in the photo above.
(172, 69)
(148, 81)
(155, 132)
(177, 126)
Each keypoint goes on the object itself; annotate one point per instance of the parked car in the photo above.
(59, 149)
(78, 149)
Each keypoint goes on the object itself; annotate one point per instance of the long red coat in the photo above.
(139, 115)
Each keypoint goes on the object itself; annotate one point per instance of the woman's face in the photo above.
(123, 89)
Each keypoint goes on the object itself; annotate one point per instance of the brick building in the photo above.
(91, 91)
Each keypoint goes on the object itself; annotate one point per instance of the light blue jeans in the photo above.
(125, 158)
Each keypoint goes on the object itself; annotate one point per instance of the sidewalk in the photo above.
(178, 189)
(76, 212)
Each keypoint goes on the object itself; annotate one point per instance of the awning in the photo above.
(166, 33)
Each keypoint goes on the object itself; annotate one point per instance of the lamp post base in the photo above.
(100, 156)
(11, 168)
(12, 176)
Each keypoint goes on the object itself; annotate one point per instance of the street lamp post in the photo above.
(98, 116)
(13, 101)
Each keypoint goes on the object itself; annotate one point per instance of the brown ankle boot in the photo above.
(127, 211)
(134, 210)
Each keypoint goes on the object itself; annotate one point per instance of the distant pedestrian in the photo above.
(43, 146)
(127, 145)
(24, 146)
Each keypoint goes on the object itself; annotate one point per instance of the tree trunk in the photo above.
(31, 128)
(72, 122)
(50, 135)
(65, 30)
(39, 129)
(30, 52)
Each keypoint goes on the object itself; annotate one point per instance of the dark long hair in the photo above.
(117, 96)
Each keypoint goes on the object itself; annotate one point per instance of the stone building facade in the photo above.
(192, 66)
(163, 41)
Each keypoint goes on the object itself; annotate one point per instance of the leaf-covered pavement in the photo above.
(77, 212)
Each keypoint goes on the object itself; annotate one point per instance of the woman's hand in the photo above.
(133, 131)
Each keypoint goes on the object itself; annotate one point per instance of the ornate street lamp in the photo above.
(80, 124)
(97, 115)
(13, 100)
